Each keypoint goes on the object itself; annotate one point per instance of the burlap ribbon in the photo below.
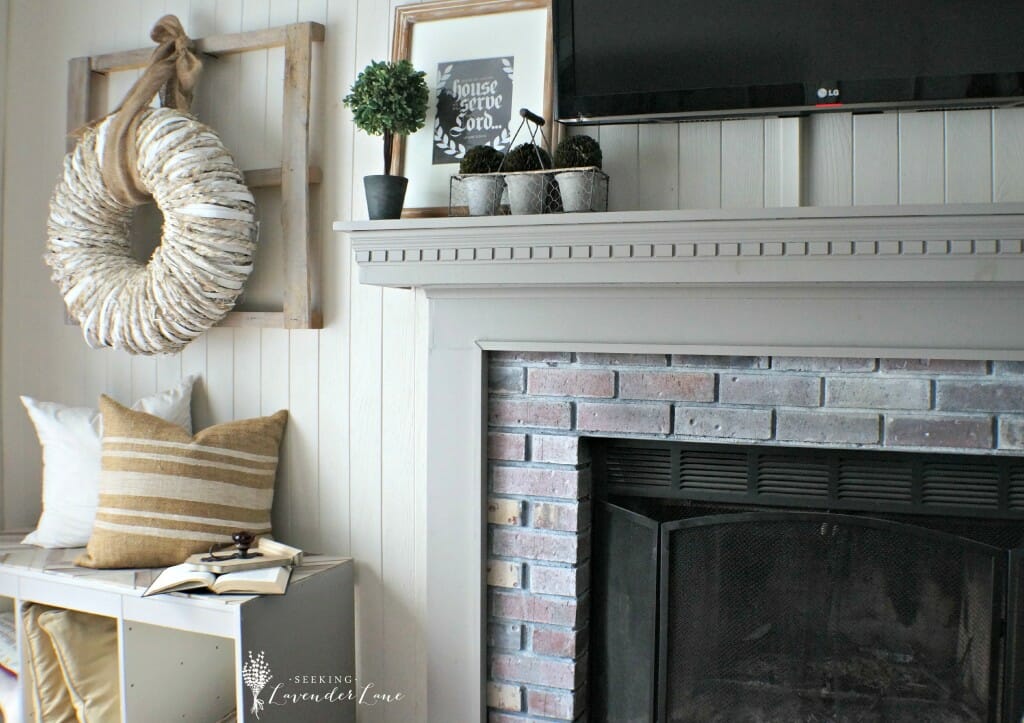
(172, 72)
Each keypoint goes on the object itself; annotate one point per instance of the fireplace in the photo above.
(718, 595)
(898, 284)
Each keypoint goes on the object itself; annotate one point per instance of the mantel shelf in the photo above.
(973, 244)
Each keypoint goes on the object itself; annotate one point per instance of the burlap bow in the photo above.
(172, 72)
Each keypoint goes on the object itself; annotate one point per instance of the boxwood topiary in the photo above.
(577, 151)
(527, 157)
(481, 159)
(389, 99)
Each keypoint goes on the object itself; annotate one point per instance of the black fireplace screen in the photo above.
(782, 617)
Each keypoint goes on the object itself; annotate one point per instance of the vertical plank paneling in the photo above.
(274, 395)
(827, 159)
(620, 146)
(968, 156)
(398, 403)
(193, 361)
(251, 122)
(876, 159)
(245, 375)
(334, 457)
(220, 374)
(922, 157)
(367, 380)
(700, 164)
(781, 162)
(168, 370)
(301, 469)
(743, 163)
(1008, 154)
(659, 167)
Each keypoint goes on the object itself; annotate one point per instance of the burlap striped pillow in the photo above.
(165, 494)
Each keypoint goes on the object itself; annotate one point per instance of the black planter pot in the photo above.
(385, 195)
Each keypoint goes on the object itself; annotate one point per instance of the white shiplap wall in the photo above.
(347, 485)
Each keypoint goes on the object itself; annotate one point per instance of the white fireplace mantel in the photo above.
(974, 244)
(912, 281)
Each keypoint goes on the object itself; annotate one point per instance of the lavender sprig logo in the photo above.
(256, 674)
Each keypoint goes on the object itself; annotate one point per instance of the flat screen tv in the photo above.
(652, 59)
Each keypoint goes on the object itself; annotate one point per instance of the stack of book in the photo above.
(267, 574)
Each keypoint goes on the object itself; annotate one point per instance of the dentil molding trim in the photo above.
(975, 244)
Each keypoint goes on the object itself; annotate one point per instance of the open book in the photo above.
(272, 554)
(262, 581)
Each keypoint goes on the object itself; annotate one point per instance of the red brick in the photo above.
(558, 704)
(948, 432)
(1008, 368)
(503, 445)
(494, 717)
(565, 581)
(564, 483)
(774, 389)
(823, 364)
(535, 544)
(626, 418)
(529, 413)
(1011, 433)
(502, 573)
(564, 516)
(531, 356)
(507, 380)
(975, 396)
(720, 362)
(824, 427)
(504, 697)
(503, 511)
(571, 383)
(616, 360)
(556, 450)
(538, 671)
(505, 636)
(673, 386)
(558, 642)
(534, 609)
(723, 422)
(935, 366)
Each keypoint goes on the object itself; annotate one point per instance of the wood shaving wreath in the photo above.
(208, 241)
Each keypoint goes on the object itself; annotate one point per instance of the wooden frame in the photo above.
(301, 308)
(407, 17)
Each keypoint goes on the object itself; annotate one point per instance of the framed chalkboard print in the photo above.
(484, 60)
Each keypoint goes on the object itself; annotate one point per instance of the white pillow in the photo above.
(71, 438)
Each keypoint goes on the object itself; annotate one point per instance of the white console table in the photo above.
(181, 655)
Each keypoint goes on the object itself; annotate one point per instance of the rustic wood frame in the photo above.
(301, 307)
(406, 19)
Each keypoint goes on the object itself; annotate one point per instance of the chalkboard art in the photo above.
(474, 106)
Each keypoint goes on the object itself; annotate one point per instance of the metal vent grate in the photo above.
(792, 475)
(901, 482)
(639, 466)
(712, 471)
(960, 484)
(1016, 475)
(874, 480)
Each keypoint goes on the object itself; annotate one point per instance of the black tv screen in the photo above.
(651, 59)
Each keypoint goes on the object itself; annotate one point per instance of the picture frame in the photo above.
(484, 60)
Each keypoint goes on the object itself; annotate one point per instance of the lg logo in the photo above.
(824, 93)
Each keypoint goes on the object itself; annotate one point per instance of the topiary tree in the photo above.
(389, 98)
(527, 157)
(481, 159)
(577, 151)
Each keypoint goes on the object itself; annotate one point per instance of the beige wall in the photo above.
(346, 485)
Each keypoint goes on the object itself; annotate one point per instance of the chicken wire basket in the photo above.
(563, 190)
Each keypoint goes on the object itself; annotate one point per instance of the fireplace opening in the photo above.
(778, 585)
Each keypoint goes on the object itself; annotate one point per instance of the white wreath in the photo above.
(206, 248)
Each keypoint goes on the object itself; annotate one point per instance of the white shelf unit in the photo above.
(181, 655)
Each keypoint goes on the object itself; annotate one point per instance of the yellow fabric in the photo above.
(49, 695)
(165, 494)
(86, 648)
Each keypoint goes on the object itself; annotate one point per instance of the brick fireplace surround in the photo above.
(542, 406)
(779, 326)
